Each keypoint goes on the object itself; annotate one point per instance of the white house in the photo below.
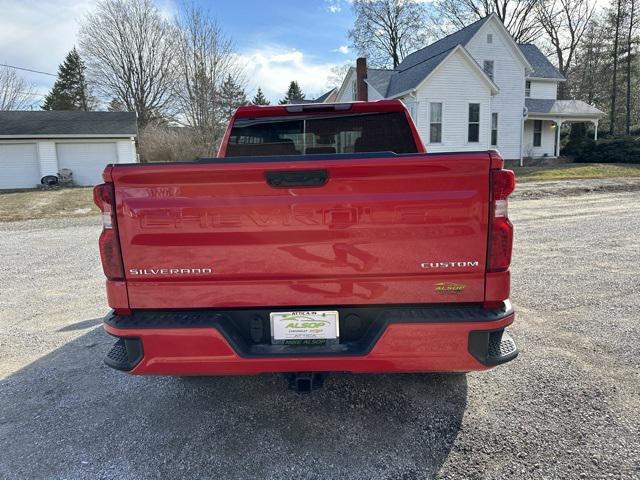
(38, 143)
(476, 89)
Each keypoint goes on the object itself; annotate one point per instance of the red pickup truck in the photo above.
(322, 238)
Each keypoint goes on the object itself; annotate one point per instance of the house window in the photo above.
(435, 122)
(473, 134)
(354, 90)
(527, 89)
(537, 133)
(494, 129)
(488, 68)
(489, 37)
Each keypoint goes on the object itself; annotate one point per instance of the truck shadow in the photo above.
(68, 415)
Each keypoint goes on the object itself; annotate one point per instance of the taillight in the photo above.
(503, 183)
(104, 198)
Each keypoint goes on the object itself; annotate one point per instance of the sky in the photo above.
(277, 40)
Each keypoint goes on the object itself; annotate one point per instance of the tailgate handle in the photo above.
(297, 178)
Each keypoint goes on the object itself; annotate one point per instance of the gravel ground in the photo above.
(568, 407)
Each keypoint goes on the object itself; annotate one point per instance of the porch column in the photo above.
(557, 149)
(595, 132)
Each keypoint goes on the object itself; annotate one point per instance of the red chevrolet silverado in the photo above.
(322, 238)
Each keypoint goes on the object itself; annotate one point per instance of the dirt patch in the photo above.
(568, 188)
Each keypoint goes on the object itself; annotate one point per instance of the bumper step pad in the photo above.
(501, 346)
(125, 354)
(492, 347)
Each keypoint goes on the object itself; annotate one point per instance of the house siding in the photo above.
(412, 108)
(544, 90)
(548, 140)
(346, 95)
(47, 158)
(509, 76)
(456, 85)
(126, 151)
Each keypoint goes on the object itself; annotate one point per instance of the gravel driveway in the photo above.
(568, 407)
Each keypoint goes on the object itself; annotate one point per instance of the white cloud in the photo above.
(38, 35)
(273, 68)
(334, 6)
(343, 49)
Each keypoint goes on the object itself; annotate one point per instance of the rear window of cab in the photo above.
(321, 135)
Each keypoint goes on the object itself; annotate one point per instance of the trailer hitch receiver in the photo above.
(305, 382)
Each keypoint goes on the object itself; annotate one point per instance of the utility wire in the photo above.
(33, 94)
(27, 70)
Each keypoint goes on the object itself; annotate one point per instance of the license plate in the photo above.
(304, 328)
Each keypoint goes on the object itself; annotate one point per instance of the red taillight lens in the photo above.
(501, 230)
(502, 184)
(103, 196)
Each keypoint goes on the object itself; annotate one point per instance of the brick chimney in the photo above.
(361, 75)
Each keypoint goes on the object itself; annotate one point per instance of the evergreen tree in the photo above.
(260, 99)
(70, 91)
(232, 96)
(294, 94)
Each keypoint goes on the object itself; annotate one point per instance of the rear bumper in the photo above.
(391, 339)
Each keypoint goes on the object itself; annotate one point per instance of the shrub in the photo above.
(576, 146)
(613, 150)
(162, 143)
(576, 140)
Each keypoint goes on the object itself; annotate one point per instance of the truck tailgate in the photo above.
(383, 229)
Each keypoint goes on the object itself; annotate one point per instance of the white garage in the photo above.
(19, 167)
(35, 144)
(86, 160)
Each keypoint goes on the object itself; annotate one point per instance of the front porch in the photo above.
(544, 120)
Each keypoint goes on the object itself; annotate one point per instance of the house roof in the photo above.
(418, 65)
(542, 67)
(379, 78)
(67, 123)
(410, 78)
(561, 107)
(323, 98)
(461, 37)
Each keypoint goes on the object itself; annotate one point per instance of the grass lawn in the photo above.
(68, 202)
(574, 171)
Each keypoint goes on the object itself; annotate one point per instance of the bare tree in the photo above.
(386, 31)
(15, 92)
(617, 20)
(631, 27)
(338, 72)
(518, 16)
(129, 49)
(206, 57)
(591, 65)
(565, 22)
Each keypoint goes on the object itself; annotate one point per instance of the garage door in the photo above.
(86, 160)
(19, 166)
